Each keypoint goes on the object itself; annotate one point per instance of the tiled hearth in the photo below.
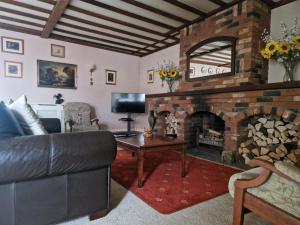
(231, 105)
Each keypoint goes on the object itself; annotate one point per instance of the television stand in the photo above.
(128, 119)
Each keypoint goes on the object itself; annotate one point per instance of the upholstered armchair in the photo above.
(78, 117)
(271, 191)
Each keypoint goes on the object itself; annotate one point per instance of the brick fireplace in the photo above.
(229, 99)
(231, 105)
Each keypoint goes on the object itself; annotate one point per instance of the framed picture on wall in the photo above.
(111, 77)
(56, 74)
(150, 76)
(58, 51)
(12, 45)
(13, 69)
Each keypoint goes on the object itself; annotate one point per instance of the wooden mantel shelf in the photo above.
(260, 87)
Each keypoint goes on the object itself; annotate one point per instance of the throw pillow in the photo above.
(27, 118)
(9, 126)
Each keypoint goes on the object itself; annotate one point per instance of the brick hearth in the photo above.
(233, 105)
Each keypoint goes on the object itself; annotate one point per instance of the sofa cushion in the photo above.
(9, 125)
(29, 121)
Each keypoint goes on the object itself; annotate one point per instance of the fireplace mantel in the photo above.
(259, 87)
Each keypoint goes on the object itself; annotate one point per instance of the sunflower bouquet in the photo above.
(169, 73)
(285, 50)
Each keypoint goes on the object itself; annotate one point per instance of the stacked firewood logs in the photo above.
(270, 139)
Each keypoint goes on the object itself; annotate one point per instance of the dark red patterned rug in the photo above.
(164, 189)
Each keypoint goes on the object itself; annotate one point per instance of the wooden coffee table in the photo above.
(139, 145)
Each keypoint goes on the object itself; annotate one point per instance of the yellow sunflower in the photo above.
(173, 73)
(162, 73)
(271, 47)
(296, 39)
(264, 54)
(284, 47)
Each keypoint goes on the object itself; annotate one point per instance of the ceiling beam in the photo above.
(186, 7)
(29, 15)
(19, 29)
(76, 34)
(101, 33)
(124, 23)
(155, 10)
(129, 14)
(109, 28)
(54, 17)
(27, 6)
(92, 44)
(8, 18)
(219, 2)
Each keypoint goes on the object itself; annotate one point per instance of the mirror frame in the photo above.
(204, 42)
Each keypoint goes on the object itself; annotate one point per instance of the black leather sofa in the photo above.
(47, 179)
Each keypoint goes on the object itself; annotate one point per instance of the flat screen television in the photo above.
(128, 102)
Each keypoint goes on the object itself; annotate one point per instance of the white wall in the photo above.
(151, 62)
(98, 95)
(286, 14)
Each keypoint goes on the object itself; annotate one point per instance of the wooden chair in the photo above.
(273, 195)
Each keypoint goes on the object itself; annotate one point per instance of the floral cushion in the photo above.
(277, 191)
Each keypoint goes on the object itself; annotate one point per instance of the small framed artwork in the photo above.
(58, 51)
(12, 45)
(111, 77)
(56, 74)
(13, 69)
(192, 71)
(150, 76)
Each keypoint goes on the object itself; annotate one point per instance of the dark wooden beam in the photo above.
(101, 33)
(27, 6)
(129, 14)
(75, 34)
(19, 29)
(124, 23)
(21, 21)
(23, 14)
(186, 7)
(109, 28)
(283, 2)
(156, 10)
(219, 3)
(54, 17)
(91, 44)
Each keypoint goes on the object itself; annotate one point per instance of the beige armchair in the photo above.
(271, 191)
(78, 117)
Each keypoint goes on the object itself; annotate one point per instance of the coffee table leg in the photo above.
(183, 172)
(140, 156)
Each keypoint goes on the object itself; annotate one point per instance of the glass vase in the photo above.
(290, 71)
(170, 83)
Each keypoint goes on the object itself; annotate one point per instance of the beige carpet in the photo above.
(127, 209)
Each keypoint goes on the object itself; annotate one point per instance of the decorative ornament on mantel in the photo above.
(93, 69)
(169, 73)
(286, 50)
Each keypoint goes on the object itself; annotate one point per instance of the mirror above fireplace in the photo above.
(211, 58)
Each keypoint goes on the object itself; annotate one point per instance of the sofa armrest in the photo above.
(31, 157)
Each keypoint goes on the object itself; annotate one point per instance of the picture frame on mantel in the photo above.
(12, 45)
(111, 77)
(13, 69)
(150, 76)
(56, 75)
(58, 51)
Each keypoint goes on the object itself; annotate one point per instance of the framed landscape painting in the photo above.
(56, 74)
(13, 69)
(12, 45)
